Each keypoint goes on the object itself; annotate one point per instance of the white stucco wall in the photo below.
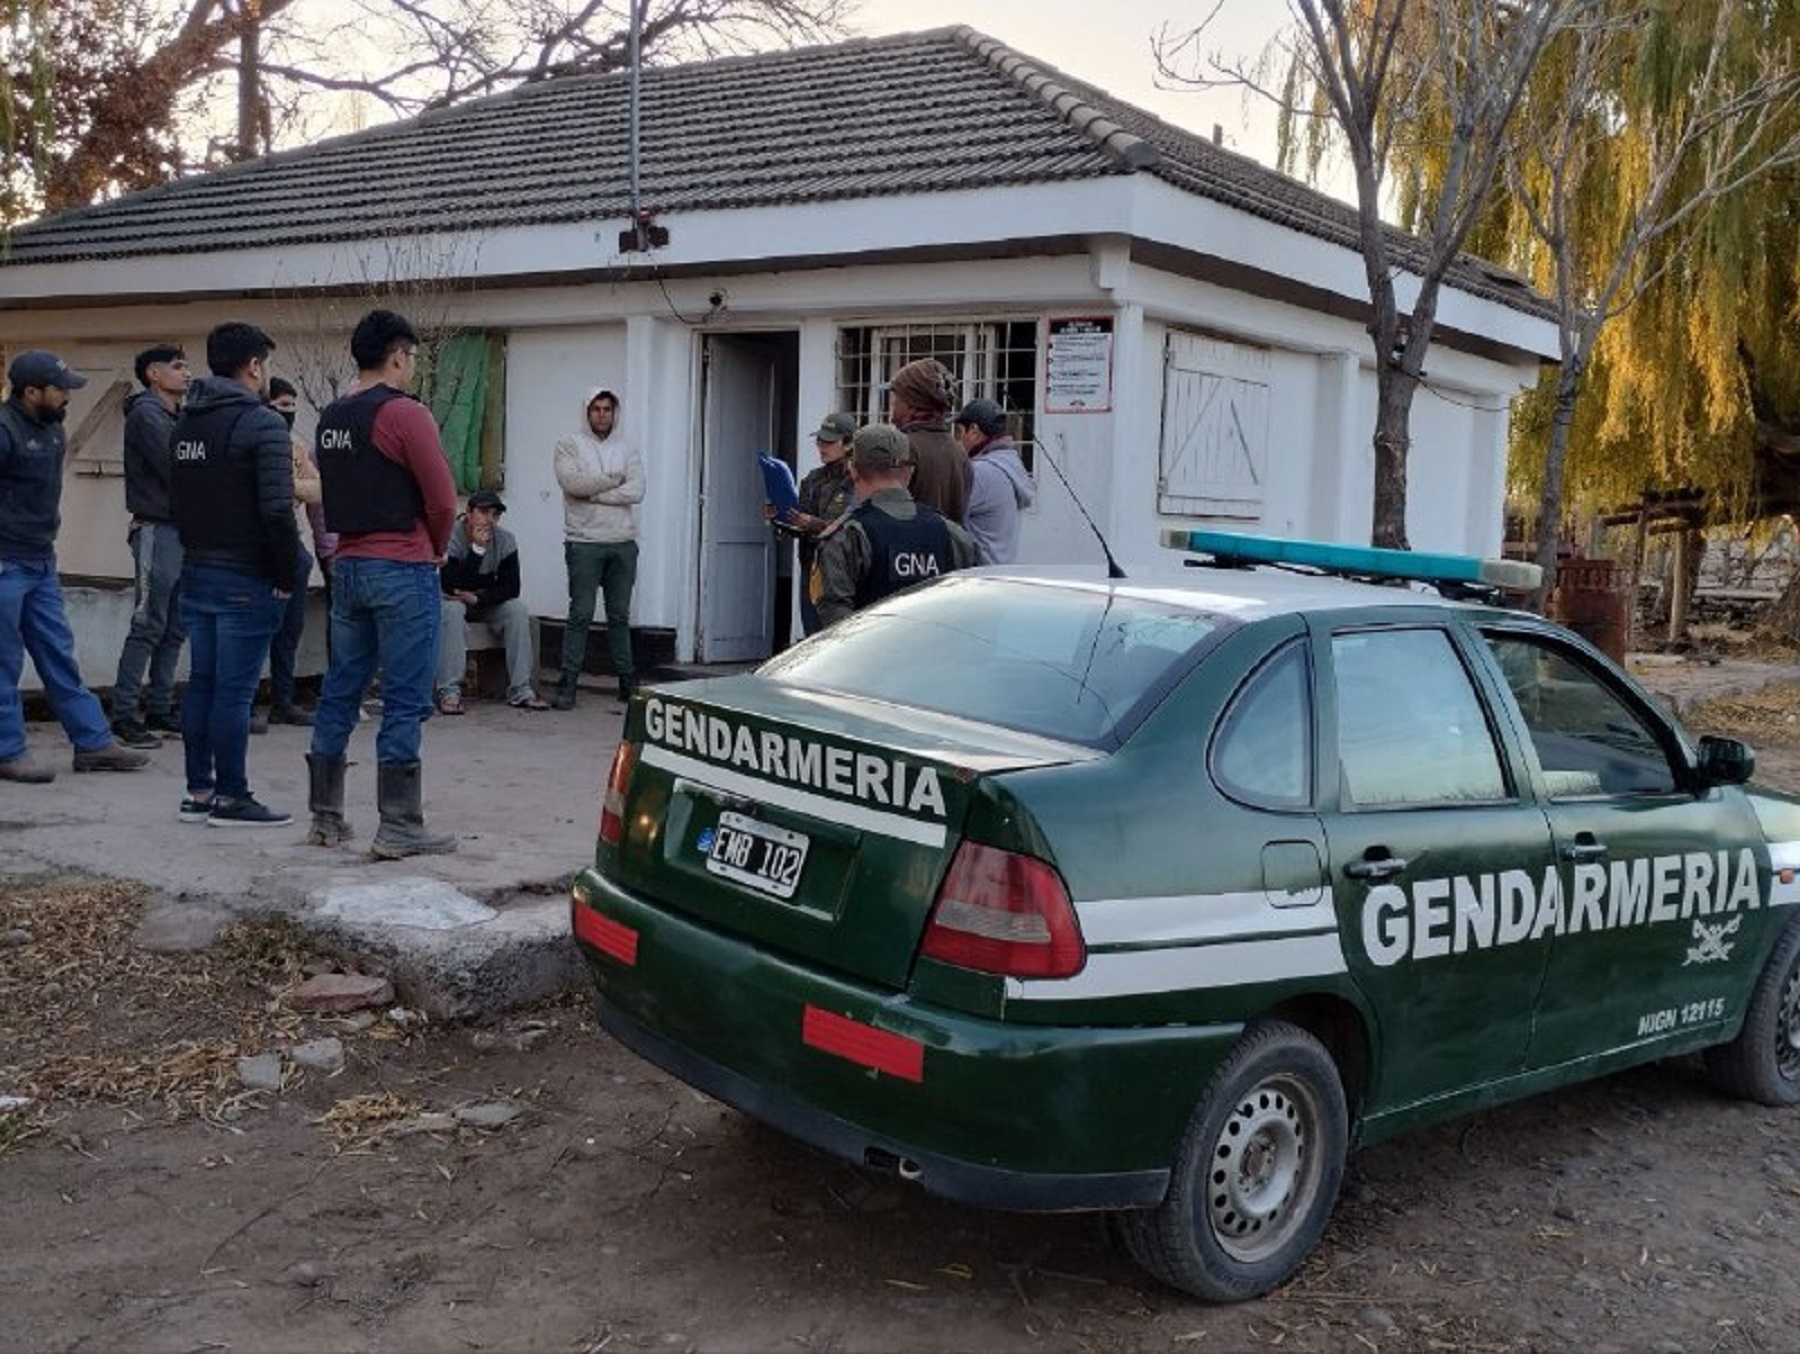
(641, 339)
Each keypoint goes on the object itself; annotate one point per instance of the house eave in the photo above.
(1163, 228)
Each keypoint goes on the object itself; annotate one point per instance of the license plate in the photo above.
(765, 857)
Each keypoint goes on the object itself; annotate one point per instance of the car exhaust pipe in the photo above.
(880, 1159)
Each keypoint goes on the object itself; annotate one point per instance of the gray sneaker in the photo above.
(25, 771)
(112, 757)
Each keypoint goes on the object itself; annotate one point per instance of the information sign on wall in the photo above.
(1078, 365)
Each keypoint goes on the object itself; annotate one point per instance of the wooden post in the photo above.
(1637, 568)
(1678, 586)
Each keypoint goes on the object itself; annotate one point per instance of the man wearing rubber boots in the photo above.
(389, 497)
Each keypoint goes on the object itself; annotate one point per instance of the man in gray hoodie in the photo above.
(142, 710)
(999, 485)
(602, 480)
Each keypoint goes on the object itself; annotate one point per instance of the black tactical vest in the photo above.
(212, 492)
(362, 489)
(902, 553)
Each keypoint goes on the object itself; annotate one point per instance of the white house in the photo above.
(1179, 330)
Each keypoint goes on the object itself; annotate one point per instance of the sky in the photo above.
(1108, 43)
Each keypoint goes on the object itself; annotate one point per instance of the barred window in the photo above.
(991, 359)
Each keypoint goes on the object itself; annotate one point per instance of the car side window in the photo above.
(1589, 740)
(1411, 729)
(1262, 754)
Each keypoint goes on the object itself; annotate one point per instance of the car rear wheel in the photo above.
(1763, 1062)
(1257, 1172)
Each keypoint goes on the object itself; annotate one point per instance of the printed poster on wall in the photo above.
(1079, 359)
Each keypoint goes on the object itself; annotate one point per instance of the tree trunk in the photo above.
(1550, 499)
(249, 73)
(1783, 616)
(1394, 396)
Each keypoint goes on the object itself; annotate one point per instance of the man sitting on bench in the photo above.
(480, 578)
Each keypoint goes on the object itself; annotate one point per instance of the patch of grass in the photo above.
(16, 1126)
(264, 949)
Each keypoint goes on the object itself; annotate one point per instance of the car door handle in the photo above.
(1375, 870)
(1584, 853)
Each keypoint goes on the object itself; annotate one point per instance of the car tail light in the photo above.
(612, 804)
(1001, 912)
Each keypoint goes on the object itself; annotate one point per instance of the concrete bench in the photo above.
(487, 660)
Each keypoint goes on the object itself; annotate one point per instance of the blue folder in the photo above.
(778, 485)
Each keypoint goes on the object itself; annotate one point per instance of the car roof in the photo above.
(1242, 593)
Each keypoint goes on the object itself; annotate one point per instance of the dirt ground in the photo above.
(151, 1202)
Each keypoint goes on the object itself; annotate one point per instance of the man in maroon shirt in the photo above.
(389, 497)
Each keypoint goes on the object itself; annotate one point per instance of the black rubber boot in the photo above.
(402, 832)
(325, 799)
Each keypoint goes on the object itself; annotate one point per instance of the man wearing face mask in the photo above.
(283, 707)
(32, 616)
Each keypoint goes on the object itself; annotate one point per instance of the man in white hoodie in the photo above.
(602, 481)
(999, 484)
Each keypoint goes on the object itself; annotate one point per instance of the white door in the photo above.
(737, 574)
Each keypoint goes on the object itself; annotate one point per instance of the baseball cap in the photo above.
(35, 367)
(836, 428)
(983, 414)
(880, 446)
(486, 498)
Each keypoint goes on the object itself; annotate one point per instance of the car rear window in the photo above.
(1069, 663)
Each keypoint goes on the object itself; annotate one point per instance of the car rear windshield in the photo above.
(1066, 662)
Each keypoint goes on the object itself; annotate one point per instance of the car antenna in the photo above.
(1112, 565)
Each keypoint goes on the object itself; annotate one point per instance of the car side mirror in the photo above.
(1725, 761)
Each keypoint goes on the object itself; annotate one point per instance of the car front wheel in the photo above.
(1763, 1062)
(1257, 1172)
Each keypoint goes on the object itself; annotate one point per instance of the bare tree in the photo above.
(1382, 81)
(423, 277)
(124, 84)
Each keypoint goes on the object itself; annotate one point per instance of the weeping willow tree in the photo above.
(27, 85)
(1647, 195)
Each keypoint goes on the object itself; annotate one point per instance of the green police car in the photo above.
(1051, 890)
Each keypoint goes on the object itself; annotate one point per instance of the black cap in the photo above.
(983, 414)
(486, 498)
(35, 367)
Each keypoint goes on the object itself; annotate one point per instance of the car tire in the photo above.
(1256, 1175)
(1763, 1062)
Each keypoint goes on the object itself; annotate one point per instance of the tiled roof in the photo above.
(915, 113)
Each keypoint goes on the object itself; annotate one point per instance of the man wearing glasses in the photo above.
(390, 499)
(140, 711)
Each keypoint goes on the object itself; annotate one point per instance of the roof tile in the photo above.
(915, 113)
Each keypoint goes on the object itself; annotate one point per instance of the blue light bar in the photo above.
(1363, 561)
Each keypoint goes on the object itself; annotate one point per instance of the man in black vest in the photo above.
(887, 542)
(389, 496)
(232, 487)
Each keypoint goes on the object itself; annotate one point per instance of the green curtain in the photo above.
(458, 398)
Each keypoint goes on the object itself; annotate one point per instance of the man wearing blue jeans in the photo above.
(389, 497)
(233, 490)
(32, 616)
